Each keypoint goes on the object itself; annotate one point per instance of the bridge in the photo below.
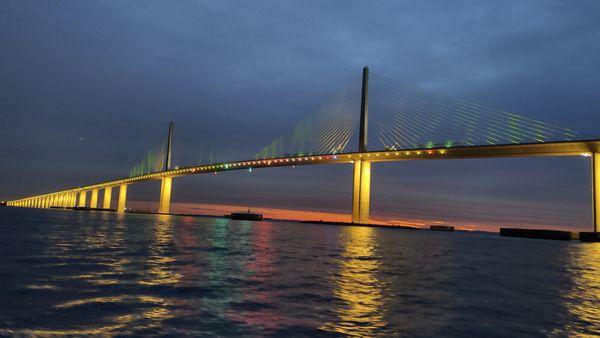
(423, 126)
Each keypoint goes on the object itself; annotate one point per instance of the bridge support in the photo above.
(107, 198)
(596, 190)
(361, 192)
(122, 198)
(94, 199)
(164, 205)
(82, 198)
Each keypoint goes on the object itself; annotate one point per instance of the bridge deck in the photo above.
(570, 148)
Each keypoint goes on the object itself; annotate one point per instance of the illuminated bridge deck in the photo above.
(570, 148)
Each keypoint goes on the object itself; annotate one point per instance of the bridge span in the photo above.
(362, 161)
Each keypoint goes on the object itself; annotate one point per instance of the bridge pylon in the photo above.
(361, 187)
(164, 205)
(596, 190)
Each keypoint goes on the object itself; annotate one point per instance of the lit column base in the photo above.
(122, 198)
(107, 198)
(361, 192)
(164, 205)
(82, 198)
(94, 199)
(596, 190)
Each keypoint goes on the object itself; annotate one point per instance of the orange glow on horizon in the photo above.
(310, 215)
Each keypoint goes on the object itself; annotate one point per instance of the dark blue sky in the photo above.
(87, 88)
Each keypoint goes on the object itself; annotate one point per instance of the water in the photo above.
(76, 273)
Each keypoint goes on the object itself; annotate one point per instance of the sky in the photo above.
(87, 88)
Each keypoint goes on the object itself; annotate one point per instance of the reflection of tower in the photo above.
(160, 271)
(357, 286)
(584, 297)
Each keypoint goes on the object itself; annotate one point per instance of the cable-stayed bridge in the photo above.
(404, 122)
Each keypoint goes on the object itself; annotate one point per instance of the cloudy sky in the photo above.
(88, 87)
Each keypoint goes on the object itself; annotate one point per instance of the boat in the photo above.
(441, 228)
(246, 215)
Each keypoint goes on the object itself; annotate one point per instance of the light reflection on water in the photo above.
(362, 311)
(583, 300)
(78, 273)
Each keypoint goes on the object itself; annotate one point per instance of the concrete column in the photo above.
(596, 190)
(94, 199)
(361, 192)
(122, 198)
(82, 199)
(107, 198)
(164, 205)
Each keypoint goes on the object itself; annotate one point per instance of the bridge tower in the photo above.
(361, 187)
(596, 190)
(164, 205)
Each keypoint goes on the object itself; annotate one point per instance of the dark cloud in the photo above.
(86, 88)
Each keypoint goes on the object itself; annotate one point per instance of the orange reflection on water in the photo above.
(357, 286)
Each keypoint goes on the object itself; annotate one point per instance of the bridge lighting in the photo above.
(442, 151)
(586, 154)
(407, 153)
(418, 153)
